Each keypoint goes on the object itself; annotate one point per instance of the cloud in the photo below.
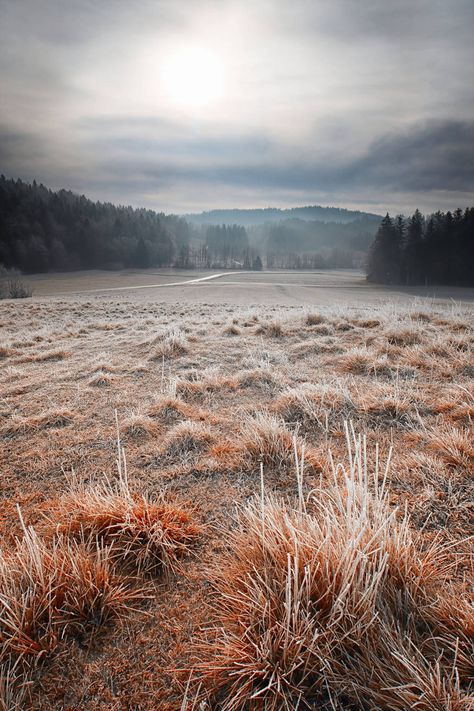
(364, 102)
(435, 156)
(431, 156)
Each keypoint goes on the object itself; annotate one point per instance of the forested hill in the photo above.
(42, 230)
(314, 213)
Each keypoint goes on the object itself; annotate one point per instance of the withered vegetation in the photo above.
(252, 552)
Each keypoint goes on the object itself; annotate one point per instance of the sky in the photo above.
(189, 105)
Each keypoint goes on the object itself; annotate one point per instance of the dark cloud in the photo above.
(17, 147)
(434, 156)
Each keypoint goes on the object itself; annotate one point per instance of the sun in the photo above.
(193, 77)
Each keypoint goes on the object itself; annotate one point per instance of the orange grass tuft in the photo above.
(330, 602)
(264, 438)
(48, 356)
(48, 420)
(148, 535)
(50, 591)
(186, 441)
(455, 446)
(314, 319)
(173, 344)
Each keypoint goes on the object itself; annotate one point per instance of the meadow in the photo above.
(236, 497)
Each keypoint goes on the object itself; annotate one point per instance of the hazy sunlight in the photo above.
(194, 77)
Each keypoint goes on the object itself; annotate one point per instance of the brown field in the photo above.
(197, 511)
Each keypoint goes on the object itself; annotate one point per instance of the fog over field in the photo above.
(236, 355)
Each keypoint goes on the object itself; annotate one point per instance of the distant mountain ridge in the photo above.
(258, 216)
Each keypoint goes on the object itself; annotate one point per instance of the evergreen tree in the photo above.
(384, 260)
(413, 262)
(141, 257)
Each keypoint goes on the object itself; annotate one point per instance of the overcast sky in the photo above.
(355, 103)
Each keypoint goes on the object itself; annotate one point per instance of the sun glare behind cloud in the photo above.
(194, 77)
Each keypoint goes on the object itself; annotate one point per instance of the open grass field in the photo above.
(248, 493)
(237, 288)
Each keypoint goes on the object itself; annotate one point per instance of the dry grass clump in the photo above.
(421, 316)
(403, 337)
(51, 591)
(6, 352)
(357, 360)
(262, 377)
(334, 605)
(452, 324)
(171, 345)
(147, 535)
(455, 446)
(13, 687)
(186, 441)
(314, 319)
(314, 406)
(457, 404)
(314, 346)
(139, 426)
(461, 343)
(101, 380)
(323, 330)
(61, 417)
(264, 438)
(232, 330)
(47, 356)
(343, 326)
(367, 323)
(386, 404)
(442, 498)
(104, 367)
(170, 410)
(201, 383)
(272, 329)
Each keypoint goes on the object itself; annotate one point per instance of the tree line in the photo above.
(438, 249)
(42, 230)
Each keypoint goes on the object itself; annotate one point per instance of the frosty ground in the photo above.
(219, 388)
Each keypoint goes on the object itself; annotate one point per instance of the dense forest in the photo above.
(42, 230)
(438, 249)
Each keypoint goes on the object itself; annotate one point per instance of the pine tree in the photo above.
(414, 263)
(141, 258)
(385, 254)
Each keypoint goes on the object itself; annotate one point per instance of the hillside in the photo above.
(42, 230)
(260, 216)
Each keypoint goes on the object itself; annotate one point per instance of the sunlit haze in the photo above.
(189, 106)
(193, 77)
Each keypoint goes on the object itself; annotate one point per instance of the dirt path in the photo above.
(158, 286)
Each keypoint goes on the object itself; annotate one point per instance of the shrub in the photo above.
(12, 285)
